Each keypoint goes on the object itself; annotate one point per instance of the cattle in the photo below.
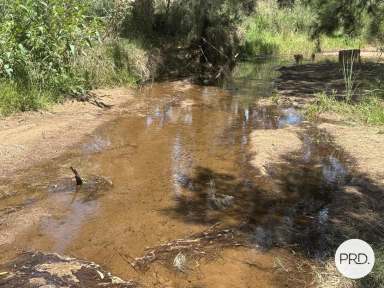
(298, 58)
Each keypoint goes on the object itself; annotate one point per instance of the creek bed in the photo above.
(180, 167)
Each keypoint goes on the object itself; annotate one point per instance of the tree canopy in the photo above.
(350, 17)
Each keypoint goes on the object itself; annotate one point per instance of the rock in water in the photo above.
(37, 269)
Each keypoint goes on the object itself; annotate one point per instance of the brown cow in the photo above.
(346, 56)
(298, 58)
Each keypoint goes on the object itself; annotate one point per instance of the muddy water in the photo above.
(169, 164)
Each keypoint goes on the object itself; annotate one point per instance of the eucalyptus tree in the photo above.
(350, 17)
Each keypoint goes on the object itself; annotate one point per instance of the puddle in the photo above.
(289, 116)
(182, 167)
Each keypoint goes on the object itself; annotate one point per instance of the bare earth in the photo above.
(364, 145)
(30, 138)
(267, 148)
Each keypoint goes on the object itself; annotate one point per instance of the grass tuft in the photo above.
(369, 110)
(14, 98)
(117, 62)
(376, 277)
(327, 276)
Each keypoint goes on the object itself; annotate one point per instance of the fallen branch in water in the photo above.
(79, 180)
(196, 245)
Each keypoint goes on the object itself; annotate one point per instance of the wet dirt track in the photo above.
(178, 168)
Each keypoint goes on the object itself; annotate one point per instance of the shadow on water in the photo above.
(311, 201)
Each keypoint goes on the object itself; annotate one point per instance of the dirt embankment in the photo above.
(29, 138)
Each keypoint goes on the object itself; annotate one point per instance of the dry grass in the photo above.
(327, 276)
(369, 110)
(114, 62)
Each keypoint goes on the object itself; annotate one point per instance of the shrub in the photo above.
(14, 97)
(112, 62)
(39, 38)
(274, 30)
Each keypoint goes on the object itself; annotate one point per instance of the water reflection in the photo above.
(334, 171)
(292, 208)
(181, 166)
(289, 116)
(188, 116)
(169, 114)
(96, 144)
(63, 230)
(148, 121)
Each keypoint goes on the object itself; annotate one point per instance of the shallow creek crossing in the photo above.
(179, 168)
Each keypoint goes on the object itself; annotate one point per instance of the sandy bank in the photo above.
(29, 138)
(364, 144)
(268, 146)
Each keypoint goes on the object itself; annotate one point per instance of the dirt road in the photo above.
(30, 138)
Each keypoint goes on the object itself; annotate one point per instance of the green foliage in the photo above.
(376, 27)
(347, 17)
(183, 18)
(286, 30)
(336, 42)
(336, 14)
(51, 48)
(14, 97)
(40, 45)
(369, 110)
(116, 62)
(38, 42)
(113, 14)
(55, 45)
(38, 39)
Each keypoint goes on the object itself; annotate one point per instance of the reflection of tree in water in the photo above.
(310, 203)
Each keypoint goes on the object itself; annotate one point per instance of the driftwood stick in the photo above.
(79, 181)
(197, 244)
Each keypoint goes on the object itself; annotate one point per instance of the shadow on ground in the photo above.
(311, 202)
(306, 80)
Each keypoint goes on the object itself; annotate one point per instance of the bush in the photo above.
(51, 48)
(14, 97)
(39, 38)
(38, 42)
(118, 61)
(274, 30)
